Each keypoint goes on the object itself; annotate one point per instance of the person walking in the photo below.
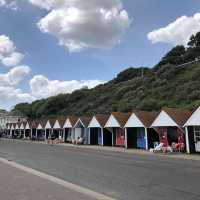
(52, 138)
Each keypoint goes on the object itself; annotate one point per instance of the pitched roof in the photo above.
(102, 119)
(51, 121)
(146, 118)
(42, 122)
(121, 117)
(85, 120)
(178, 115)
(29, 123)
(34, 124)
(61, 120)
(73, 120)
(14, 124)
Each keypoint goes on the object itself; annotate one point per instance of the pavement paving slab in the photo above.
(16, 184)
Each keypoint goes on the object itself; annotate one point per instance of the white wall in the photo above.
(194, 120)
(67, 124)
(112, 122)
(134, 121)
(164, 120)
(94, 123)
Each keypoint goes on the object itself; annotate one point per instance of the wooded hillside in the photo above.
(166, 84)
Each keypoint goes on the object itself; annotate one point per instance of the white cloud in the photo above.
(79, 24)
(13, 59)
(14, 76)
(9, 4)
(8, 54)
(177, 32)
(11, 96)
(2, 3)
(6, 46)
(42, 87)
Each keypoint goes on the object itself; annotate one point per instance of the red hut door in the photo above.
(120, 139)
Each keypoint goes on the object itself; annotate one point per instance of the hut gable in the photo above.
(49, 124)
(67, 124)
(134, 121)
(39, 127)
(164, 120)
(94, 123)
(194, 119)
(17, 126)
(27, 126)
(13, 126)
(21, 126)
(117, 120)
(70, 122)
(179, 116)
(84, 121)
(57, 125)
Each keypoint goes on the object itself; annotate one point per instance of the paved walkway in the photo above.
(129, 151)
(137, 151)
(16, 184)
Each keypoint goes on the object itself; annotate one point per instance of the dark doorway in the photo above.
(94, 132)
(131, 137)
(27, 133)
(107, 137)
(56, 133)
(153, 137)
(33, 134)
(40, 135)
(48, 133)
(172, 135)
(68, 138)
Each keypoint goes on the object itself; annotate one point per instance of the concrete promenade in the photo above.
(16, 184)
(132, 175)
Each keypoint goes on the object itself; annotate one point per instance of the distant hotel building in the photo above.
(10, 117)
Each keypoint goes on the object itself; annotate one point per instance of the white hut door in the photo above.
(197, 138)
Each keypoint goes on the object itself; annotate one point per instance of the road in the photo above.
(118, 175)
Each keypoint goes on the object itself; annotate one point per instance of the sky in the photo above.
(49, 47)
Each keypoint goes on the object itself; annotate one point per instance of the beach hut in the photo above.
(81, 129)
(138, 131)
(169, 126)
(49, 128)
(28, 130)
(58, 127)
(98, 135)
(17, 132)
(40, 130)
(115, 125)
(22, 130)
(192, 130)
(8, 127)
(69, 128)
(12, 130)
(34, 125)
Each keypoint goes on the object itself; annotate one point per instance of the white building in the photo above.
(10, 117)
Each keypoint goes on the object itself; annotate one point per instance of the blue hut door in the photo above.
(141, 141)
(99, 137)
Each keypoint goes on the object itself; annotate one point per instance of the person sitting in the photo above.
(79, 141)
(180, 146)
(158, 148)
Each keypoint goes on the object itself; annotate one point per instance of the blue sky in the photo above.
(44, 56)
